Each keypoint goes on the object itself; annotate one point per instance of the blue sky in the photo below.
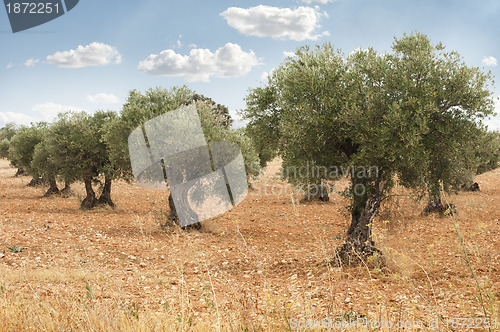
(92, 56)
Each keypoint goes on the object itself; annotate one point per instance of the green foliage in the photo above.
(8, 131)
(450, 99)
(4, 148)
(76, 147)
(16, 248)
(89, 291)
(263, 127)
(140, 108)
(22, 146)
(489, 152)
(41, 163)
(414, 113)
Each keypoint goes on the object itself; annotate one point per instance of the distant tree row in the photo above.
(93, 148)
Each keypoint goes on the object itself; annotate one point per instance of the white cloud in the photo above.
(489, 61)
(266, 21)
(288, 54)
(95, 54)
(31, 62)
(49, 110)
(103, 98)
(17, 118)
(42, 112)
(10, 65)
(201, 64)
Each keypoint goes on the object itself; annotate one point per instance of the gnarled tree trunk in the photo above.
(53, 190)
(66, 192)
(105, 197)
(359, 243)
(90, 201)
(435, 204)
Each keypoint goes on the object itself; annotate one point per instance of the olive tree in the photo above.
(141, 107)
(371, 117)
(76, 147)
(22, 148)
(453, 99)
(6, 133)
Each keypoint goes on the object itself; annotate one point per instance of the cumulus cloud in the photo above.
(17, 118)
(41, 112)
(284, 23)
(10, 65)
(103, 98)
(287, 54)
(201, 64)
(31, 62)
(95, 54)
(489, 61)
(50, 110)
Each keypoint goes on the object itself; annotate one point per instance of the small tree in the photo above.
(489, 155)
(140, 108)
(263, 128)
(76, 147)
(4, 148)
(454, 98)
(6, 133)
(22, 147)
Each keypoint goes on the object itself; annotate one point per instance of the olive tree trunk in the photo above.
(105, 197)
(53, 190)
(90, 201)
(66, 192)
(435, 203)
(359, 244)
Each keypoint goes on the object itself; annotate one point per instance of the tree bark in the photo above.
(359, 243)
(105, 197)
(53, 190)
(90, 201)
(66, 192)
(435, 204)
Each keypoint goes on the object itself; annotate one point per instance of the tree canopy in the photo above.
(408, 115)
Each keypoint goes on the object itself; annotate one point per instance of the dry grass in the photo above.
(257, 267)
